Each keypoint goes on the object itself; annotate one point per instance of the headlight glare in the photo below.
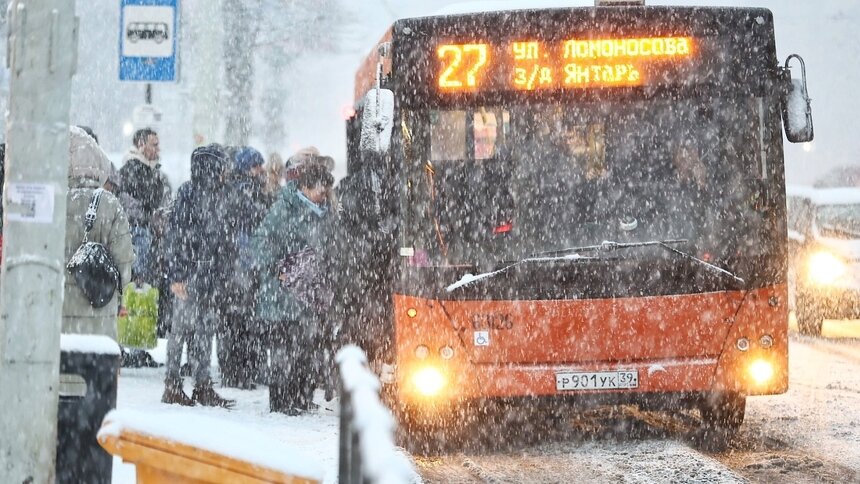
(428, 381)
(825, 268)
(761, 371)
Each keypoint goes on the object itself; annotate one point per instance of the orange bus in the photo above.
(588, 206)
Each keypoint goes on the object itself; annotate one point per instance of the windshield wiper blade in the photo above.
(470, 278)
(568, 254)
(605, 246)
(713, 268)
(610, 246)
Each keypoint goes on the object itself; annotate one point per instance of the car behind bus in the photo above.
(824, 254)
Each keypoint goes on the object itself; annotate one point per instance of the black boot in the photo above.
(173, 393)
(205, 395)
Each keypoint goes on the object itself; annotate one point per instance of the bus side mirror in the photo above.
(796, 105)
(377, 121)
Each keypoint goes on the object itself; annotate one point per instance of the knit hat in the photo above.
(247, 158)
(303, 156)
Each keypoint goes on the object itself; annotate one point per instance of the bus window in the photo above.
(485, 134)
(447, 135)
(491, 128)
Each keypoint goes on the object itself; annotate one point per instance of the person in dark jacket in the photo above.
(157, 270)
(245, 204)
(142, 192)
(364, 260)
(292, 300)
(195, 251)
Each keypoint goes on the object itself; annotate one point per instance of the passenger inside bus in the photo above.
(471, 200)
(689, 168)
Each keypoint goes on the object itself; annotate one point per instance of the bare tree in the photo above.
(241, 20)
(274, 33)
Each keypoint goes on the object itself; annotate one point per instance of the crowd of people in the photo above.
(236, 254)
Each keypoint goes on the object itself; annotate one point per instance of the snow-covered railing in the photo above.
(367, 450)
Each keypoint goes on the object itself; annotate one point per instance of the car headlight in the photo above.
(825, 268)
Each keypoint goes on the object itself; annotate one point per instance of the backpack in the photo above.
(91, 265)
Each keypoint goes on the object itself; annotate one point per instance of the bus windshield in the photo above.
(499, 183)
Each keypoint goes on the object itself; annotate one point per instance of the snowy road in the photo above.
(810, 434)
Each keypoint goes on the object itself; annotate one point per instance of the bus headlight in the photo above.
(428, 381)
(825, 268)
(761, 371)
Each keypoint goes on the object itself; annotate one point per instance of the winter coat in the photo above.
(88, 170)
(289, 227)
(196, 237)
(143, 188)
(245, 204)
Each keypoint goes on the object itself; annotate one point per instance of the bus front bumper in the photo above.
(435, 386)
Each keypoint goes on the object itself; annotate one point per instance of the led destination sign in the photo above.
(571, 64)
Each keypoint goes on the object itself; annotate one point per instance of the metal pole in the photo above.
(42, 56)
(345, 436)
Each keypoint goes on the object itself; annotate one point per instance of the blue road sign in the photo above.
(148, 40)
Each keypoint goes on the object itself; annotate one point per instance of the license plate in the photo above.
(597, 380)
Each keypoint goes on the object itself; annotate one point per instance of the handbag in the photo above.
(94, 271)
(302, 275)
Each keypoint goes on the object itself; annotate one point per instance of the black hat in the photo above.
(208, 163)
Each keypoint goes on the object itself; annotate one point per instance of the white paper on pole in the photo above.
(30, 202)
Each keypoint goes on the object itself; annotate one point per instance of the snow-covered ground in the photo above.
(813, 430)
(316, 435)
(820, 413)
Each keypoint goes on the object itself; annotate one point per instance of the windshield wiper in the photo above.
(610, 246)
(470, 278)
(605, 246)
(573, 253)
(713, 268)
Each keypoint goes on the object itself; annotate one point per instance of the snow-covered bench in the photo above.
(178, 447)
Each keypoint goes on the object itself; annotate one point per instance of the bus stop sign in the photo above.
(147, 40)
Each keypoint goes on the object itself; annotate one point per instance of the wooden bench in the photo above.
(167, 459)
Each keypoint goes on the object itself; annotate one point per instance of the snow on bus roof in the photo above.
(214, 435)
(502, 5)
(825, 196)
